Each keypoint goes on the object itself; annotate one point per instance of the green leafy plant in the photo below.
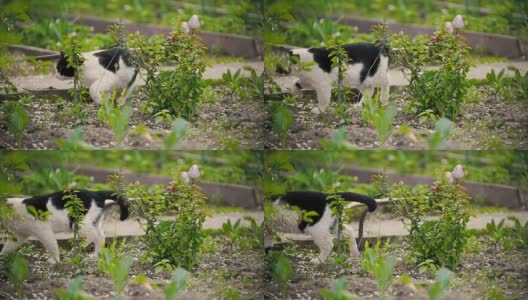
(174, 138)
(116, 117)
(441, 240)
(174, 288)
(520, 233)
(76, 212)
(17, 271)
(375, 262)
(281, 271)
(281, 123)
(436, 290)
(233, 231)
(72, 53)
(338, 292)
(437, 139)
(496, 231)
(74, 291)
(16, 118)
(117, 266)
(379, 117)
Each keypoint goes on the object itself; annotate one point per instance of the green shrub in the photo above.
(441, 240)
(17, 271)
(16, 118)
(440, 90)
(177, 91)
(174, 242)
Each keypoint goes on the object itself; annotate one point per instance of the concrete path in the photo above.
(47, 82)
(394, 228)
(131, 227)
(396, 77)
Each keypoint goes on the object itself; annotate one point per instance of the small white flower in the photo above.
(449, 177)
(194, 23)
(185, 27)
(449, 27)
(458, 22)
(185, 177)
(458, 172)
(194, 172)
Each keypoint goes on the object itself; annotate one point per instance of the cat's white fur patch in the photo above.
(320, 231)
(101, 81)
(24, 225)
(323, 82)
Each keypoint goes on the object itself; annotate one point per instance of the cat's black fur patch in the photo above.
(365, 53)
(86, 196)
(62, 66)
(109, 58)
(316, 201)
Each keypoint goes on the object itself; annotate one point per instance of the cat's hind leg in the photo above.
(353, 245)
(46, 236)
(323, 238)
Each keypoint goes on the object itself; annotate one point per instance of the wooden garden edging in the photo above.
(217, 193)
(232, 44)
(496, 194)
(496, 44)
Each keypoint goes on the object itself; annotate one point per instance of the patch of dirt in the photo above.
(218, 270)
(223, 123)
(480, 274)
(488, 123)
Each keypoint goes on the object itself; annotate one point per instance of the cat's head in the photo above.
(63, 71)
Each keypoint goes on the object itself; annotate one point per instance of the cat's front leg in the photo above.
(324, 240)
(324, 95)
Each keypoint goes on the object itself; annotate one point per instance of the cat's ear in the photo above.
(62, 53)
(290, 52)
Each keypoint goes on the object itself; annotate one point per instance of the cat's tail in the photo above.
(353, 197)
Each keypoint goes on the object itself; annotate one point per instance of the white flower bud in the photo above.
(458, 22)
(185, 177)
(449, 27)
(194, 23)
(185, 27)
(194, 172)
(449, 177)
(458, 172)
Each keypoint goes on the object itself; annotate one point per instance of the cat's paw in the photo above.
(316, 110)
(315, 261)
(52, 261)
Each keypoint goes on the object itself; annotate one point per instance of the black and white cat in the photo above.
(102, 72)
(24, 225)
(368, 69)
(323, 225)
